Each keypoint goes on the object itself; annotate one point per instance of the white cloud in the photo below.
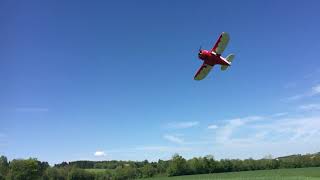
(315, 90)
(99, 154)
(296, 97)
(279, 114)
(31, 109)
(173, 138)
(212, 126)
(228, 129)
(294, 129)
(253, 136)
(183, 125)
(280, 136)
(309, 107)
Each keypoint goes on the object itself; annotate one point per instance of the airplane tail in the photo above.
(229, 58)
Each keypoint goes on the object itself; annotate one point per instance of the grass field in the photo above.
(278, 174)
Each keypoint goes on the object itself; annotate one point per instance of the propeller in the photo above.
(200, 49)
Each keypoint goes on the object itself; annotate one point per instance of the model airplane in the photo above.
(213, 57)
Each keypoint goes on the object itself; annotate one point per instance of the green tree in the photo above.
(126, 172)
(29, 169)
(226, 165)
(148, 171)
(162, 166)
(236, 165)
(55, 174)
(4, 166)
(80, 174)
(106, 175)
(177, 166)
(197, 166)
(315, 160)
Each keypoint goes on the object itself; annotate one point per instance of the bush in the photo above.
(29, 169)
(55, 174)
(178, 166)
(148, 171)
(4, 166)
(80, 174)
(123, 173)
(106, 175)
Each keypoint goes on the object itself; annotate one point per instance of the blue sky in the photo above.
(104, 80)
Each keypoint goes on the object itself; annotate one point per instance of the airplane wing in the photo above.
(202, 72)
(221, 43)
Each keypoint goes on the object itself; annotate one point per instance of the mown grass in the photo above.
(277, 174)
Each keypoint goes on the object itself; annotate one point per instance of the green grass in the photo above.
(278, 174)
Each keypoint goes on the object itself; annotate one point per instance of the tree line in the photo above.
(33, 169)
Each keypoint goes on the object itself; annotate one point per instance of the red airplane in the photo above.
(213, 57)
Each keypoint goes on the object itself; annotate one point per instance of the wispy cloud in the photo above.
(315, 90)
(278, 136)
(244, 137)
(294, 128)
(279, 114)
(296, 97)
(270, 130)
(225, 132)
(183, 125)
(310, 107)
(31, 109)
(212, 126)
(99, 154)
(173, 138)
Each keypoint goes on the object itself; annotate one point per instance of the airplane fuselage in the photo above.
(211, 58)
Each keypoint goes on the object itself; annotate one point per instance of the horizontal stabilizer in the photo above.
(230, 58)
(223, 68)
